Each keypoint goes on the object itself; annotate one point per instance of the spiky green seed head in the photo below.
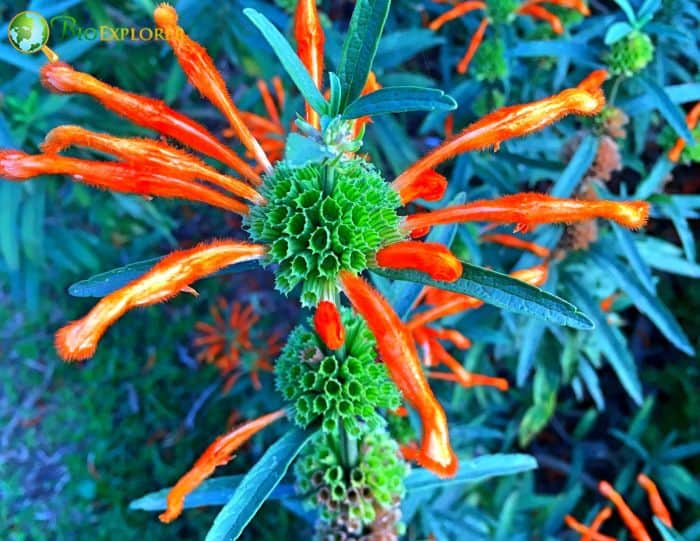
(351, 497)
(630, 54)
(501, 11)
(320, 220)
(327, 387)
(490, 63)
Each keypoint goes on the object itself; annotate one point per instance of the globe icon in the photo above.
(28, 32)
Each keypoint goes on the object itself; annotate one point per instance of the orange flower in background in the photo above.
(692, 119)
(632, 522)
(232, 345)
(267, 129)
(532, 8)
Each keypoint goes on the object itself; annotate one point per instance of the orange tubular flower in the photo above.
(538, 12)
(328, 325)
(515, 242)
(631, 520)
(217, 454)
(398, 352)
(118, 177)
(430, 186)
(171, 275)
(460, 9)
(590, 534)
(202, 73)
(578, 5)
(460, 375)
(476, 40)
(371, 85)
(655, 501)
(164, 158)
(691, 119)
(147, 112)
(310, 41)
(530, 209)
(510, 122)
(431, 258)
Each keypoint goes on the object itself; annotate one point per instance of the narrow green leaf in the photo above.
(300, 150)
(216, 491)
(667, 533)
(104, 283)
(626, 241)
(611, 341)
(617, 31)
(289, 60)
(646, 301)
(669, 110)
(10, 198)
(472, 471)
(629, 11)
(504, 292)
(578, 165)
(257, 485)
(399, 99)
(360, 46)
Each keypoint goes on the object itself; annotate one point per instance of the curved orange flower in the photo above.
(328, 325)
(399, 355)
(227, 342)
(310, 42)
(220, 452)
(691, 119)
(533, 8)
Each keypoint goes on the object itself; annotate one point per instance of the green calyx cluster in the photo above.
(322, 218)
(630, 54)
(353, 497)
(490, 63)
(501, 11)
(340, 388)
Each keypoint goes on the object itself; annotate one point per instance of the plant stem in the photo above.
(348, 447)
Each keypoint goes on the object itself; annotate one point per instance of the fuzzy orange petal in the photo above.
(510, 122)
(328, 325)
(538, 12)
(399, 354)
(655, 501)
(474, 43)
(530, 209)
(202, 73)
(431, 258)
(147, 112)
(587, 533)
(515, 242)
(634, 525)
(78, 340)
(114, 176)
(460, 9)
(159, 155)
(430, 185)
(217, 454)
(310, 41)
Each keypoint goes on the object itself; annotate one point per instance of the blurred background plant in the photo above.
(587, 405)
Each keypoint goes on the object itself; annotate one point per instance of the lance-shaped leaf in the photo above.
(214, 492)
(472, 471)
(105, 283)
(669, 110)
(400, 99)
(360, 45)
(257, 485)
(504, 292)
(289, 60)
(646, 301)
(611, 341)
(667, 533)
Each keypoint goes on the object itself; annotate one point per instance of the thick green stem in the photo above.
(348, 447)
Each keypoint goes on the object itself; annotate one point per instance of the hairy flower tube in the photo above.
(502, 12)
(318, 224)
(629, 518)
(332, 387)
(220, 452)
(232, 342)
(353, 497)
